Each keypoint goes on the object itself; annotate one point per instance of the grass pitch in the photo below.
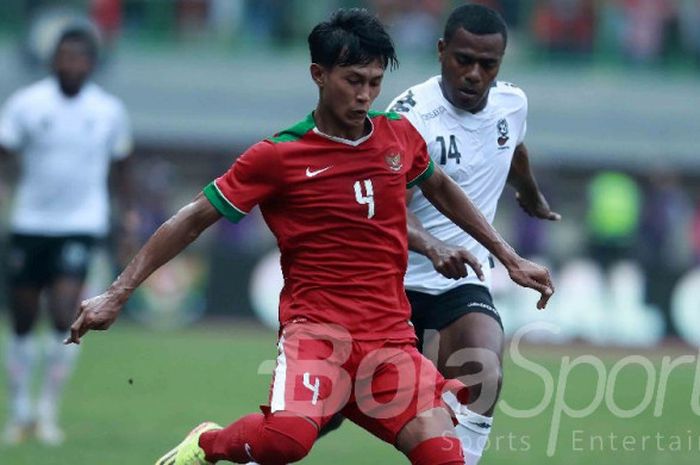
(137, 392)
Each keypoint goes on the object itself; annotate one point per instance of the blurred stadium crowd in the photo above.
(647, 214)
(636, 31)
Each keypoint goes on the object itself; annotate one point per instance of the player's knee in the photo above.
(483, 397)
(493, 377)
(23, 322)
(286, 439)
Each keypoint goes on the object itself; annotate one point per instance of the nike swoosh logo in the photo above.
(482, 425)
(311, 174)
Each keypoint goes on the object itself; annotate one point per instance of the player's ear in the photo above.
(441, 46)
(318, 74)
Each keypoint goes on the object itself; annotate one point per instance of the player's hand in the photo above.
(451, 262)
(536, 205)
(534, 276)
(97, 313)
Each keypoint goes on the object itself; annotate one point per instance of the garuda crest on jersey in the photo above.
(503, 135)
(393, 160)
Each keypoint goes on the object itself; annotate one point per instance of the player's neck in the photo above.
(331, 126)
(477, 109)
(69, 91)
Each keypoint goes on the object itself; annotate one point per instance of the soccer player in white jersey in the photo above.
(65, 132)
(474, 127)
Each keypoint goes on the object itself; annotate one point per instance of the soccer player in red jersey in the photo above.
(332, 190)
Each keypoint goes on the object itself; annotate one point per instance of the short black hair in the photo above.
(80, 34)
(351, 37)
(477, 19)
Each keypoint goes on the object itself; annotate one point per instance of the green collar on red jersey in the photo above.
(297, 131)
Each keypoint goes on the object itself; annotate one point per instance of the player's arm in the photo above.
(4, 153)
(528, 193)
(6, 160)
(452, 202)
(11, 131)
(447, 260)
(98, 313)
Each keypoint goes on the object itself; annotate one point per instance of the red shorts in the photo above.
(379, 385)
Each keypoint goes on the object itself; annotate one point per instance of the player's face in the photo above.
(349, 91)
(470, 64)
(72, 64)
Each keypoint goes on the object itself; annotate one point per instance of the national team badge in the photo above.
(394, 161)
(502, 131)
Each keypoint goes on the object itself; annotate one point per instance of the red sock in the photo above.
(229, 443)
(437, 451)
(268, 440)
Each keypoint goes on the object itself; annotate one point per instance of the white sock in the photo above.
(59, 361)
(472, 429)
(20, 362)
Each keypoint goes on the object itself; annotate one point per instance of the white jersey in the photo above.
(475, 150)
(65, 146)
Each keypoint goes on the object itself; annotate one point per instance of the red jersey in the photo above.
(338, 210)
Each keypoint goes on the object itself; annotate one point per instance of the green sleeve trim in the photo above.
(423, 176)
(222, 204)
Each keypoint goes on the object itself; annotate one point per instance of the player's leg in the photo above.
(429, 439)
(337, 421)
(483, 339)
(308, 388)
(70, 260)
(398, 399)
(269, 439)
(470, 349)
(21, 359)
(24, 289)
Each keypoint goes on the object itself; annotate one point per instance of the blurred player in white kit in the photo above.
(65, 132)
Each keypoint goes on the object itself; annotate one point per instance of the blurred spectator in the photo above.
(155, 178)
(107, 15)
(270, 19)
(225, 17)
(643, 28)
(613, 217)
(191, 16)
(509, 9)
(415, 25)
(689, 25)
(530, 240)
(695, 235)
(565, 26)
(665, 245)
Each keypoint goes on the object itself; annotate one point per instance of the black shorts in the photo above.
(39, 260)
(438, 311)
